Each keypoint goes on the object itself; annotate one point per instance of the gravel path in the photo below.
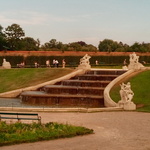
(113, 131)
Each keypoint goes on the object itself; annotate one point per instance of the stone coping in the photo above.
(79, 109)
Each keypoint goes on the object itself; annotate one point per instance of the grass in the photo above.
(140, 86)
(11, 79)
(23, 133)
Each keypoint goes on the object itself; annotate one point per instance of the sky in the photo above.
(69, 21)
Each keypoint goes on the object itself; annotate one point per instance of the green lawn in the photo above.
(11, 79)
(140, 86)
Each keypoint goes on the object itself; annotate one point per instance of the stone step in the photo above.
(61, 89)
(38, 97)
(84, 83)
(96, 77)
(106, 72)
(80, 91)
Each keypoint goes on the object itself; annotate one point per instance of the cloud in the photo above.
(38, 18)
(26, 18)
(31, 18)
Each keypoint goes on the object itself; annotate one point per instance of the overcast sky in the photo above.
(90, 21)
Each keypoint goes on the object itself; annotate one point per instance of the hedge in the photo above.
(70, 60)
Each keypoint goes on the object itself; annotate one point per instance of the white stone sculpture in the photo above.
(126, 96)
(5, 64)
(134, 62)
(85, 63)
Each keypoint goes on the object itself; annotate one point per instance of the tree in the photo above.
(29, 44)
(52, 44)
(75, 46)
(14, 34)
(1, 28)
(108, 45)
(140, 47)
(82, 43)
(2, 39)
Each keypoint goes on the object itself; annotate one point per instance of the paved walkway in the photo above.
(113, 131)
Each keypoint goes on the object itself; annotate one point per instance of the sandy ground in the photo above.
(112, 131)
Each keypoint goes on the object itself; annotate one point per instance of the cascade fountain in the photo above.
(84, 90)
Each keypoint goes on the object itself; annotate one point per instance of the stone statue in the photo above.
(134, 62)
(126, 97)
(85, 63)
(126, 93)
(5, 64)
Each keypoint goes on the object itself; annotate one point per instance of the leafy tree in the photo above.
(1, 28)
(81, 46)
(92, 48)
(3, 45)
(108, 45)
(14, 33)
(147, 46)
(135, 47)
(122, 47)
(52, 44)
(75, 46)
(140, 47)
(29, 44)
(38, 43)
(82, 43)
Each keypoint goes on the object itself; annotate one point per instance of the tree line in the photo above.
(13, 38)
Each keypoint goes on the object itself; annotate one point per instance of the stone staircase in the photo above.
(80, 91)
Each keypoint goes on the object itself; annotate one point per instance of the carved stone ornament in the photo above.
(5, 64)
(134, 62)
(126, 95)
(85, 63)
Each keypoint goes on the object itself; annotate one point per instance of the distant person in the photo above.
(63, 63)
(47, 63)
(124, 62)
(56, 63)
(21, 65)
(96, 62)
(143, 62)
(36, 65)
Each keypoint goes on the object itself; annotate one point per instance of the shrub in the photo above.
(23, 133)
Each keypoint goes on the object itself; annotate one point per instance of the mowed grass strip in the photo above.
(11, 79)
(23, 133)
(140, 86)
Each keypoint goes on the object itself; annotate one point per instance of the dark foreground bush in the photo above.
(23, 133)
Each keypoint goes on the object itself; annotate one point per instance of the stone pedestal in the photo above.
(121, 104)
(129, 106)
(125, 68)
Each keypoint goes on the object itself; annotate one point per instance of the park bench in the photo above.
(20, 116)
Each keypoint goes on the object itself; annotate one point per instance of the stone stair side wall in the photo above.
(108, 102)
